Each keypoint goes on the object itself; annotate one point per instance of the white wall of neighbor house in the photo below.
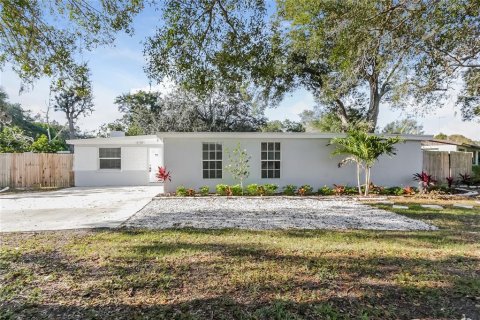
(134, 166)
(303, 161)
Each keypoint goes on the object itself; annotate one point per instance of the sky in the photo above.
(118, 69)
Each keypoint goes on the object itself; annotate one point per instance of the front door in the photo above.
(155, 160)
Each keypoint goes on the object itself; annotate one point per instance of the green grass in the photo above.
(234, 274)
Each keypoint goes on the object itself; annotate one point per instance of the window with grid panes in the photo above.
(270, 158)
(212, 160)
(110, 158)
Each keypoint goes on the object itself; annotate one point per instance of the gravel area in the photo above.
(268, 213)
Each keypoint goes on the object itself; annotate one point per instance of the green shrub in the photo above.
(236, 190)
(351, 190)
(392, 191)
(222, 189)
(325, 191)
(476, 174)
(252, 189)
(204, 190)
(305, 190)
(181, 191)
(290, 190)
(270, 188)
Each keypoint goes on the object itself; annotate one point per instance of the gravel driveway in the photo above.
(268, 213)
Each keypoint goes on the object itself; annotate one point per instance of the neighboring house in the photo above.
(198, 158)
(445, 145)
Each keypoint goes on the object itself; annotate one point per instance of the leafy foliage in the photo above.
(163, 175)
(238, 164)
(42, 144)
(43, 38)
(363, 149)
(204, 190)
(74, 97)
(13, 140)
(289, 190)
(283, 126)
(426, 180)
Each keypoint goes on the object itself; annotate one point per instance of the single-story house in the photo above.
(196, 159)
(449, 146)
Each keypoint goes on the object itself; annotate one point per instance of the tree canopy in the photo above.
(403, 126)
(43, 38)
(182, 111)
(349, 54)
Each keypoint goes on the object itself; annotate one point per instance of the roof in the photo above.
(438, 141)
(132, 140)
(155, 139)
(275, 135)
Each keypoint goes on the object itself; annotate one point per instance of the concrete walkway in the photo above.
(72, 208)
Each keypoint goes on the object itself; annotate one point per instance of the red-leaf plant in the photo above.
(450, 181)
(163, 176)
(425, 179)
(465, 178)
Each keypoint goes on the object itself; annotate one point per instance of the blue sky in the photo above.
(119, 69)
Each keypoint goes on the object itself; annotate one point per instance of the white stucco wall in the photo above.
(134, 167)
(303, 161)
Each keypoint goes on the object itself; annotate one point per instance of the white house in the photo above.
(196, 159)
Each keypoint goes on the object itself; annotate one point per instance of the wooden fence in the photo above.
(36, 170)
(443, 164)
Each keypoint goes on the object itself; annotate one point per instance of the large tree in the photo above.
(74, 97)
(183, 111)
(43, 38)
(349, 54)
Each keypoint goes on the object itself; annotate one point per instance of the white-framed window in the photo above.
(110, 158)
(212, 160)
(270, 158)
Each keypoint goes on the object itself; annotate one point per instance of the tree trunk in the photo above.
(358, 179)
(71, 131)
(367, 180)
(374, 106)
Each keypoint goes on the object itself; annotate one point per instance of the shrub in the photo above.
(204, 190)
(305, 190)
(393, 191)
(325, 191)
(181, 191)
(450, 181)
(465, 179)
(408, 190)
(351, 190)
(289, 190)
(270, 188)
(222, 189)
(236, 190)
(190, 192)
(338, 189)
(252, 189)
(426, 180)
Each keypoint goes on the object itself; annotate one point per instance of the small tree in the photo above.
(238, 164)
(364, 149)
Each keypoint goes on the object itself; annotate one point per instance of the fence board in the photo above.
(443, 164)
(36, 170)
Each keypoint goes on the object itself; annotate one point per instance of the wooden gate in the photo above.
(36, 170)
(443, 164)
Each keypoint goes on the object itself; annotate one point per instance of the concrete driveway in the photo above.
(72, 208)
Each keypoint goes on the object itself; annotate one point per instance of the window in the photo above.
(110, 158)
(212, 160)
(270, 160)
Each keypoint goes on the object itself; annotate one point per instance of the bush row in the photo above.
(290, 190)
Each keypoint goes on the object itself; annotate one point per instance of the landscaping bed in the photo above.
(263, 213)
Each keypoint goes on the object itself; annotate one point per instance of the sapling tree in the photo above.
(363, 149)
(238, 164)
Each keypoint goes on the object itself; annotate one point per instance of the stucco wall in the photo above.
(134, 169)
(303, 161)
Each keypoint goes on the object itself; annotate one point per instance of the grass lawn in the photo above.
(233, 274)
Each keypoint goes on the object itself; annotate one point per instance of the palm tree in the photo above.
(363, 149)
